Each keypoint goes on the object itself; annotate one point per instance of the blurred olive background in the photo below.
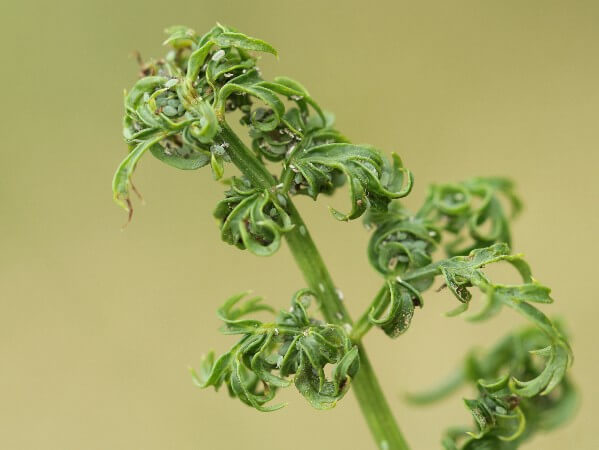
(98, 326)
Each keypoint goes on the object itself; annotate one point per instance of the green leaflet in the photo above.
(241, 41)
(252, 218)
(268, 354)
(393, 313)
(121, 182)
(463, 272)
(180, 36)
(372, 180)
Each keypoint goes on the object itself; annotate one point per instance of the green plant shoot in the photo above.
(179, 112)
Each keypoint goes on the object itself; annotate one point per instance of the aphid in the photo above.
(218, 55)
(217, 149)
(169, 111)
(282, 200)
(170, 83)
(289, 150)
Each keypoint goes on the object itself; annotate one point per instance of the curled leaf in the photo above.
(504, 415)
(463, 272)
(268, 354)
(241, 41)
(393, 312)
(474, 207)
(401, 242)
(373, 182)
(253, 218)
(121, 182)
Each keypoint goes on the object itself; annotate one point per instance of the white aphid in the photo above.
(170, 83)
(218, 55)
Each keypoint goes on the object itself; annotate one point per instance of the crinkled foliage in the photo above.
(252, 218)
(293, 348)
(504, 417)
(473, 211)
(178, 111)
(521, 384)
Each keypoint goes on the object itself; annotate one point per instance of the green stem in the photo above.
(363, 324)
(245, 160)
(366, 387)
(314, 270)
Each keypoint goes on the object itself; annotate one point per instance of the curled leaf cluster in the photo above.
(401, 241)
(462, 272)
(473, 212)
(404, 243)
(252, 218)
(373, 181)
(177, 110)
(504, 417)
(517, 394)
(268, 354)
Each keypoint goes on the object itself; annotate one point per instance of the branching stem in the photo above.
(371, 399)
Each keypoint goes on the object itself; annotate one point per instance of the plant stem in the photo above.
(366, 387)
(363, 324)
